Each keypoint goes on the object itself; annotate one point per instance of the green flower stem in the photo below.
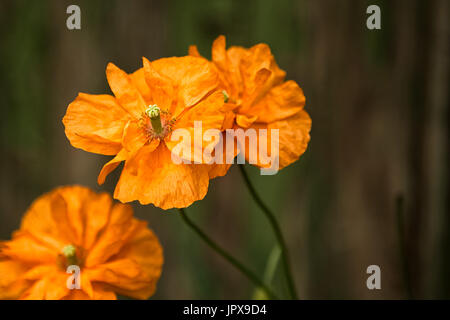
(276, 228)
(244, 270)
(271, 266)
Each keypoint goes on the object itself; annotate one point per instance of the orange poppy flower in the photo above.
(137, 124)
(259, 98)
(73, 225)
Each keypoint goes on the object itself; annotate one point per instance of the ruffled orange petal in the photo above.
(293, 138)
(244, 121)
(152, 177)
(125, 91)
(134, 137)
(56, 287)
(257, 88)
(111, 165)
(11, 283)
(145, 249)
(86, 285)
(50, 217)
(228, 121)
(120, 227)
(193, 51)
(96, 220)
(138, 79)
(254, 144)
(162, 92)
(221, 166)
(26, 248)
(209, 115)
(99, 292)
(257, 58)
(246, 74)
(279, 103)
(194, 78)
(36, 291)
(124, 273)
(102, 293)
(121, 156)
(76, 198)
(218, 170)
(95, 123)
(219, 53)
(96, 216)
(228, 64)
(53, 283)
(77, 295)
(136, 268)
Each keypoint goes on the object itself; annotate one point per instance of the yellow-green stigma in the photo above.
(154, 113)
(225, 96)
(70, 253)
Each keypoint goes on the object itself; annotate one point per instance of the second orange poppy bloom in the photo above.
(258, 97)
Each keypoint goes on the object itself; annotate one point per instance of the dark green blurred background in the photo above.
(379, 104)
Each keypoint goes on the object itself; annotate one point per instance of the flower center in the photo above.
(156, 122)
(154, 113)
(70, 253)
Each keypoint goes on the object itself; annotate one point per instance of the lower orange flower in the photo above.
(75, 229)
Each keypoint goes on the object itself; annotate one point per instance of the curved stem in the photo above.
(278, 234)
(244, 270)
